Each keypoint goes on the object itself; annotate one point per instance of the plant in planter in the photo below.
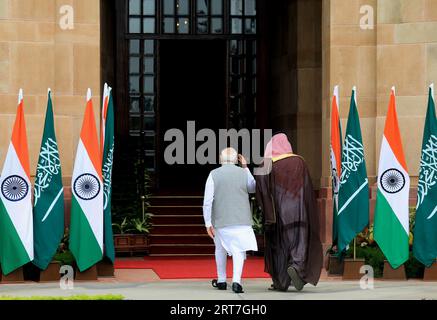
(355, 256)
(120, 227)
(121, 238)
(368, 249)
(132, 234)
(65, 258)
(63, 254)
(131, 220)
(140, 228)
(372, 256)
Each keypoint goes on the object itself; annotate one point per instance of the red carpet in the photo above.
(191, 267)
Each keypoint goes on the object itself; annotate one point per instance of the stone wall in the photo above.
(314, 45)
(349, 55)
(296, 77)
(407, 58)
(401, 51)
(35, 53)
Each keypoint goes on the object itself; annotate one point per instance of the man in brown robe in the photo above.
(293, 253)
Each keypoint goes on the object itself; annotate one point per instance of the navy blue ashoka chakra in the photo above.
(15, 188)
(392, 181)
(86, 186)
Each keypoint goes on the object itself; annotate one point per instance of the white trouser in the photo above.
(221, 257)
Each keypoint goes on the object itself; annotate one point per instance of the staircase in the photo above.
(178, 228)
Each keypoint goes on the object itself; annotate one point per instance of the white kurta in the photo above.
(237, 239)
(233, 238)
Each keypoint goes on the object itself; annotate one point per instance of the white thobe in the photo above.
(234, 239)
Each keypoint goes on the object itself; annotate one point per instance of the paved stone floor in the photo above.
(145, 285)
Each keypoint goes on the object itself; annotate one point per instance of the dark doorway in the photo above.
(192, 87)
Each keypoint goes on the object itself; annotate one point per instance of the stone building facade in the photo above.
(400, 51)
(36, 54)
(313, 45)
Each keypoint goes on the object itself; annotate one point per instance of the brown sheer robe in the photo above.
(287, 199)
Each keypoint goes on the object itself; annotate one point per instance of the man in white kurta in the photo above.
(228, 217)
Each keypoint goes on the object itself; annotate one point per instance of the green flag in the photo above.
(425, 234)
(353, 197)
(48, 212)
(107, 143)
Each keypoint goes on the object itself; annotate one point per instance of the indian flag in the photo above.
(391, 226)
(16, 220)
(335, 160)
(86, 228)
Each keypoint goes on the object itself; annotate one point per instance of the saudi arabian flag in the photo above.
(353, 197)
(16, 223)
(425, 228)
(107, 145)
(48, 207)
(335, 160)
(391, 226)
(86, 227)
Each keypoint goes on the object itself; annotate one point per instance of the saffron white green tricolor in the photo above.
(16, 221)
(86, 229)
(391, 226)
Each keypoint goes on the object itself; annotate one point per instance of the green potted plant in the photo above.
(130, 214)
(367, 249)
(355, 256)
(140, 228)
(121, 238)
(131, 234)
(63, 256)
